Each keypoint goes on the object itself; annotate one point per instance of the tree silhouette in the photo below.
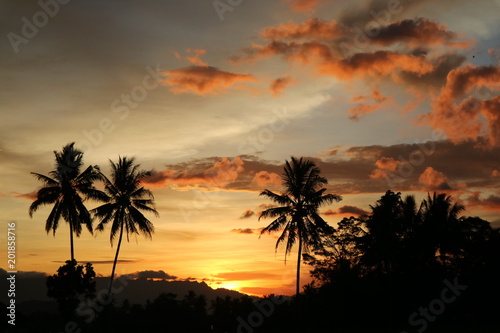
(64, 188)
(72, 284)
(441, 225)
(127, 198)
(297, 214)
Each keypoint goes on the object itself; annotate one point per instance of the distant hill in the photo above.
(31, 291)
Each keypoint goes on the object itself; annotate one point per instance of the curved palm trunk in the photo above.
(116, 259)
(297, 289)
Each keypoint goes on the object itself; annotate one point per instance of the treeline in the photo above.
(405, 267)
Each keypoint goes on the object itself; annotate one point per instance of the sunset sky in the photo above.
(214, 96)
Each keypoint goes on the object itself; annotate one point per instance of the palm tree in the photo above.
(440, 217)
(64, 188)
(297, 214)
(127, 198)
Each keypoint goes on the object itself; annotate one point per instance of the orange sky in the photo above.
(380, 94)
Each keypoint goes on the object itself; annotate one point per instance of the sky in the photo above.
(214, 96)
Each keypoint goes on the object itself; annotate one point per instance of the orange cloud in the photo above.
(303, 5)
(384, 166)
(490, 109)
(219, 175)
(203, 80)
(264, 178)
(29, 196)
(434, 179)
(278, 85)
(464, 98)
(311, 28)
(361, 109)
(195, 58)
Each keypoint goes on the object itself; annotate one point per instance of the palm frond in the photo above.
(45, 179)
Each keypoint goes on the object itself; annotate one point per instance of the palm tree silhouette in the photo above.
(440, 218)
(127, 198)
(298, 214)
(63, 188)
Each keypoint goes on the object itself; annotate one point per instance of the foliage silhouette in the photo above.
(126, 199)
(297, 214)
(72, 284)
(64, 188)
(354, 291)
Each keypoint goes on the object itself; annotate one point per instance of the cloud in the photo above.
(264, 178)
(351, 170)
(417, 32)
(218, 175)
(310, 28)
(303, 5)
(278, 85)
(346, 209)
(248, 213)
(203, 80)
(434, 179)
(490, 203)
(361, 109)
(148, 274)
(195, 58)
(385, 165)
(462, 101)
(29, 196)
(247, 231)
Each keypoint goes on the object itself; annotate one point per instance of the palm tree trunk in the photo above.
(116, 259)
(299, 259)
(71, 241)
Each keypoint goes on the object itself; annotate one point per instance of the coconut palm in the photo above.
(127, 198)
(297, 212)
(67, 189)
(440, 217)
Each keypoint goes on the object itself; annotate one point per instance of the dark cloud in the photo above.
(248, 213)
(490, 203)
(278, 85)
(152, 275)
(346, 209)
(443, 64)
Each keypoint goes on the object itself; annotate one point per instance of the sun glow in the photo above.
(229, 285)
